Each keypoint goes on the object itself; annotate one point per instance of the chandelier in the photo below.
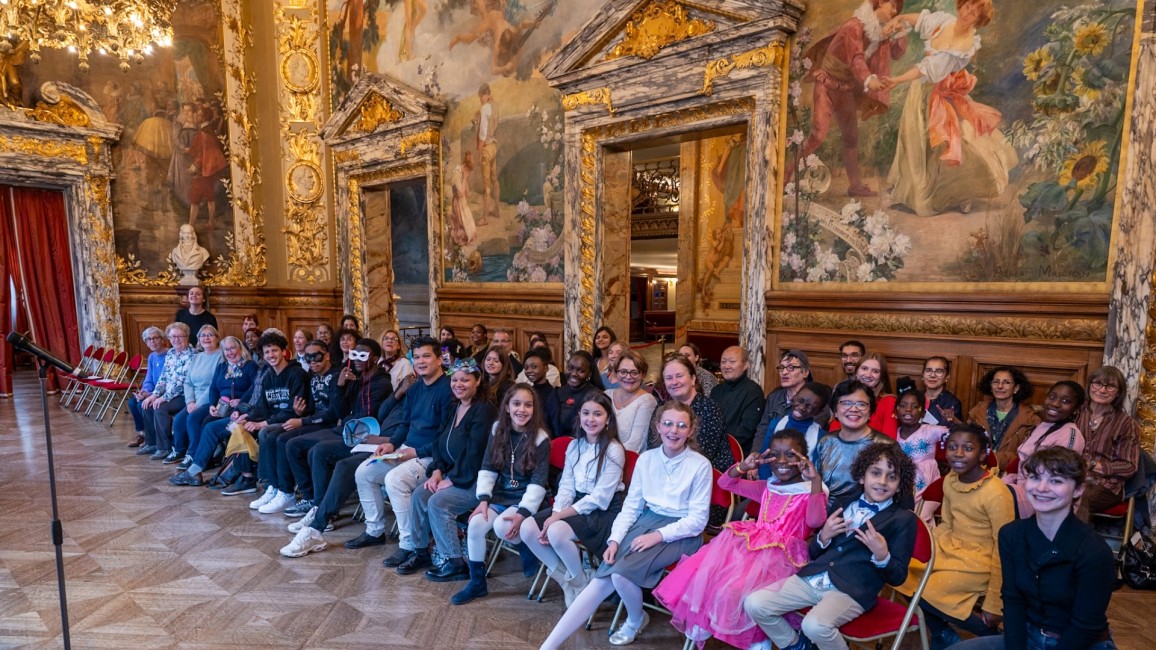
(126, 29)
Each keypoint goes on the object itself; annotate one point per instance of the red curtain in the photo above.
(35, 257)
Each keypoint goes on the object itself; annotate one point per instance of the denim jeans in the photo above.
(437, 514)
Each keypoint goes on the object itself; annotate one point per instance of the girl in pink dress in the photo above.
(705, 592)
(918, 440)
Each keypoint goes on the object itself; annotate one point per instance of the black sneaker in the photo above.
(186, 463)
(146, 450)
(298, 509)
(245, 485)
(173, 457)
(399, 557)
(365, 540)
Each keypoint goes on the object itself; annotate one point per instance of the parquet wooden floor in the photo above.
(153, 566)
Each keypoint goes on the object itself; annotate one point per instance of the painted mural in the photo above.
(502, 138)
(171, 163)
(955, 140)
(722, 177)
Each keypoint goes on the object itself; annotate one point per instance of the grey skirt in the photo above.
(645, 568)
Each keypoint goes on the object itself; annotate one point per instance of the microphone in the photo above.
(25, 344)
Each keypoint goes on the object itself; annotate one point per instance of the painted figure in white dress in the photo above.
(949, 150)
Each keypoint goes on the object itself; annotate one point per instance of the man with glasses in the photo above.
(739, 396)
(320, 411)
(942, 407)
(849, 355)
(794, 370)
(504, 340)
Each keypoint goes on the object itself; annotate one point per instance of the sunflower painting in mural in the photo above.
(996, 160)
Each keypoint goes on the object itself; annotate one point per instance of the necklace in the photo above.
(513, 482)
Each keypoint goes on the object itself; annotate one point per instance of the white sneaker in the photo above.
(279, 502)
(303, 522)
(305, 542)
(270, 492)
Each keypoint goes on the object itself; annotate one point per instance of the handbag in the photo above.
(1140, 562)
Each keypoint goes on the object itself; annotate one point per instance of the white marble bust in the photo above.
(189, 256)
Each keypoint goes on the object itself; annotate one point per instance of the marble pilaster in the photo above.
(617, 172)
(1131, 339)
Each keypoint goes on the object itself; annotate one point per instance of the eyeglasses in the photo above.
(179, 337)
(1108, 388)
(154, 338)
(788, 368)
(390, 339)
(1003, 382)
(854, 356)
(849, 405)
(623, 372)
(681, 426)
(314, 357)
(937, 372)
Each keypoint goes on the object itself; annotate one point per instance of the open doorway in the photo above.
(687, 221)
(396, 255)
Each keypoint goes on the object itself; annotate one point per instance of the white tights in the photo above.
(561, 551)
(587, 603)
(479, 526)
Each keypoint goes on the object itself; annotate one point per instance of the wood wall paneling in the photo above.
(520, 310)
(285, 309)
(1049, 336)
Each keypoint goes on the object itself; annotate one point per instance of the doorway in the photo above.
(396, 255)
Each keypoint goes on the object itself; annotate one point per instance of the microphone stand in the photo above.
(57, 529)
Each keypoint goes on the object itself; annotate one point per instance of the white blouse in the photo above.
(673, 487)
(634, 420)
(938, 64)
(581, 475)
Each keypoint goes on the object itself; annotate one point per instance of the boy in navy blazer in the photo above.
(867, 541)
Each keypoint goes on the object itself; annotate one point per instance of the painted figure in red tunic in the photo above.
(850, 68)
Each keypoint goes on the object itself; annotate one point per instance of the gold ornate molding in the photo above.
(544, 310)
(374, 112)
(655, 26)
(1146, 402)
(1050, 329)
(349, 155)
(430, 136)
(272, 298)
(588, 169)
(245, 265)
(762, 57)
(129, 272)
(596, 97)
(44, 148)
(66, 112)
(103, 263)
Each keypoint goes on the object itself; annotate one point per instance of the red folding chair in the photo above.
(115, 372)
(558, 447)
(736, 448)
(88, 360)
(124, 386)
(932, 494)
(889, 618)
(101, 370)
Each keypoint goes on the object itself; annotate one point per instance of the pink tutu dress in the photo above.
(705, 592)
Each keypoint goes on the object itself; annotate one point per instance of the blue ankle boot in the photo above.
(475, 588)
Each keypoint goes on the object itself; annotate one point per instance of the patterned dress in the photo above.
(705, 591)
(920, 448)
